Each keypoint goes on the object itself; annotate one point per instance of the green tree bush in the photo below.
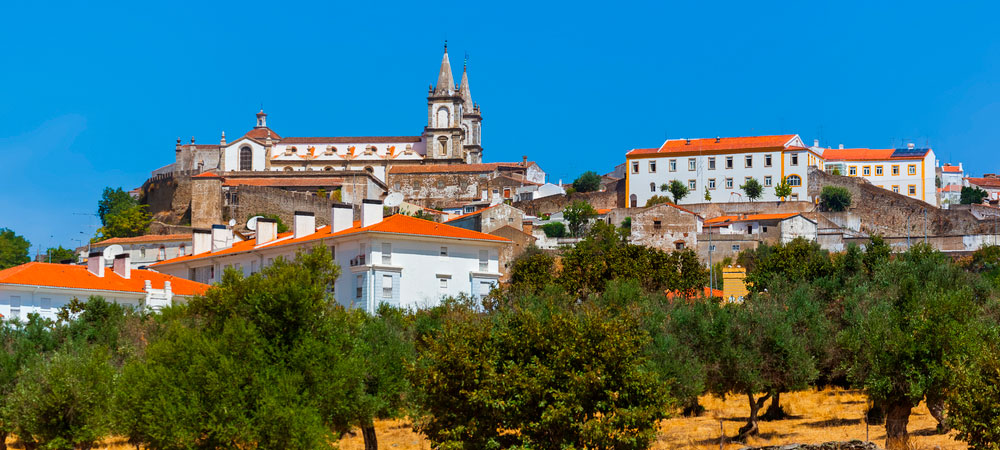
(59, 254)
(972, 195)
(554, 229)
(835, 198)
(589, 181)
(656, 200)
(678, 190)
(752, 189)
(578, 214)
(783, 190)
(13, 249)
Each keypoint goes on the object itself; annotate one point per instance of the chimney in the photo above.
(960, 167)
(909, 146)
(524, 161)
(718, 139)
(341, 217)
(95, 263)
(222, 237)
(687, 142)
(123, 265)
(304, 223)
(841, 146)
(527, 226)
(371, 212)
(267, 230)
(202, 241)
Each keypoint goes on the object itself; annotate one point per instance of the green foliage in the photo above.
(708, 196)
(985, 261)
(783, 190)
(532, 270)
(336, 196)
(836, 171)
(129, 222)
(13, 249)
(570, 190)
(797, 260)
(752, 189)
(656, 200)
(835, 198)
(678, 190)
(60, 254)
(971, 195)
(112, 202)
(554, 229)
(281, 225)
(974, 402)
(61, 400)
(321, 193)
(578, 214)
(563, 375)
(588, 182)
(20, 344)
(384, 346)
(627, 223)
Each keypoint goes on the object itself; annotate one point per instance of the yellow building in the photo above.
(734, 286)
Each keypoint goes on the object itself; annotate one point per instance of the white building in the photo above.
(767, 227)
(720, 166)
(909, 171)
(143, 250)
(452, 135)
(536, 191)
(399, 260)
(951, 175)
(989, 182)
(43, 288)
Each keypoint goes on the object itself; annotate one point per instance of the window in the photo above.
(506, 192)
(692, 164)
(142, 252)
(635, 166)
(795, 197)
(746, 180)
(729, 183)
(444, 252)
(795, 159)
(866, 171)
(729, 162)
(692, 184)
(711, 183)
(182, 250)
(484, 288)
(484, 260)
(794, 180)
(736, 247)
(46, 304)
(878, 171)
(711, 247)
(895, 169)
(386, 286)
(711, 163)
(911, 189)
(161, 253)
(672, 165)
(767, 160)
(253, 267)
(748, 161)
(767, 181)
(678, 245)
(359, 283)
(386, 253)
(652, 167)
(763, 229)
(895, 188)
(443, 285)
(652, 187)
(246, 158)
(15, 306)
(333, 252)
(657, 224)
(911, 169)
(852, 171)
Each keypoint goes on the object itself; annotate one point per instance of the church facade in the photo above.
(452, 135)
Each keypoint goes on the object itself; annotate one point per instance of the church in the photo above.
(452, 136)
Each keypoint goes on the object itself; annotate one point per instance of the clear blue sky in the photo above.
(95, 96)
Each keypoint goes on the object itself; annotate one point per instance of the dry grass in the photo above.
(816, 416)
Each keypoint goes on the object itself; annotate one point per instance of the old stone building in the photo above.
(667, 227)
(441, 185)
(490, 219)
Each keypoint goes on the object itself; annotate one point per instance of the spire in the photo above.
(463, 89)
(445, 84)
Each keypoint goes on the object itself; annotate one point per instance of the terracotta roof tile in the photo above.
(144, 238)
(864, 154)
(454, 168)
(705, 292)
(478, 211)
(710, 144)
(985, 182)
(724, 220)
(351, 140)
(261, 133)
(78, 277)
(948, 168)
(395, 224)
(283, 181)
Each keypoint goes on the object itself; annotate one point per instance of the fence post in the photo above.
(722, 435)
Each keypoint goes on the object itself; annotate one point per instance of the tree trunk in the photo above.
(775, 411)
(751, 428)
(3, 440)
(875, 415)
(368, 431)
(692, 408)
(896, 418)
(935, 403)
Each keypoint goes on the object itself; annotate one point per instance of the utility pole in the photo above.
(925, 225)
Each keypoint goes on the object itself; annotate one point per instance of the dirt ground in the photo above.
(815, 417)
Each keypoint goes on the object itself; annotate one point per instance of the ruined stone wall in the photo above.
(169, 197)
(557, 203)
(675, 226)
(430, 189)
(521, 241)
(267, 200)
(723, 244)
(206, 202)
(877, 210)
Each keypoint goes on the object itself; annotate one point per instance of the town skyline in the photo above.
(573, 94)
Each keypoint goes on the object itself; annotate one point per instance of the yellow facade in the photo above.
(734, 287)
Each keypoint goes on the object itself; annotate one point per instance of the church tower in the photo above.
(471, 121)
(445, 111)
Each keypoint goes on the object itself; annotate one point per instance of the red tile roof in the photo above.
(705, 292)
(478, 211)
(144, 238)
(350, 140)
(395, 224)
(864, 154)
(948, 168)
(985, 182)
(950, 188)
(725, 220)
(261, 133)
(454, 168)
(208, 174)
(78, 277)
(283, 181)
(711, 144)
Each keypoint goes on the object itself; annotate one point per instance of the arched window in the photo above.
(288, 169)
(161, 254)
(443, 117)
(328, 168)
(652, 187)
(633, 201)
(442, 145)
(794, 180)
(246, 158)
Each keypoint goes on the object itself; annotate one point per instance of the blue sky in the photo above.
(95, 96)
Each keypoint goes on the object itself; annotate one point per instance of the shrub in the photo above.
(657, 199)
(588, 182)
(835, 198)
(554, 229)
(972, 195)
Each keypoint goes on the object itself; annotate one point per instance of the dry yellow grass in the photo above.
(816, 416)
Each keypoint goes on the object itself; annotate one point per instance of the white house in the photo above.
(988, 182)
(144, 250)
(536, 191)
(720, 166)
(772, 227)
(43, 288)
(400, 260)
(909, 171)
(951, 174)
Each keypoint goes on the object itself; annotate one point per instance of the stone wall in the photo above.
(849, 445)
(430, 189)
(206, 202)
(674, 226)
(521, 241)
(267, 200)
(557, 203)
(169, 197)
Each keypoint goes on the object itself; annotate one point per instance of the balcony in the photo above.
(358, 260)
